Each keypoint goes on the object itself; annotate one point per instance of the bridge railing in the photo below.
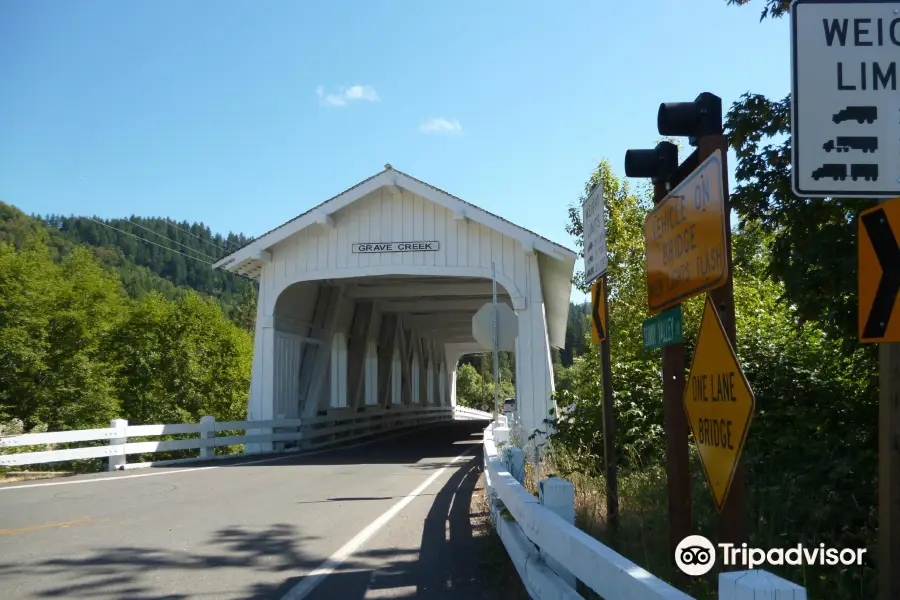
(464, 412)
(551, 554)
(276, 436)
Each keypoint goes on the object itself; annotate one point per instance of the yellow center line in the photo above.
(44, 526)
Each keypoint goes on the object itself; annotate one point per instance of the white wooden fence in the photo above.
(550, 553)
(278, 435)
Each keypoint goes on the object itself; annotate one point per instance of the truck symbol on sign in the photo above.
(866, 171)
(858, 113)
(831, 170)
(845, 144)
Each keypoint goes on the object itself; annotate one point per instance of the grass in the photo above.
(15, 476)
(499, 572)
(643, 532)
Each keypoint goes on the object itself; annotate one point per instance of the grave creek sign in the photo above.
(375, 247)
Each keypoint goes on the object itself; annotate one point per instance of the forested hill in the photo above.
(149, 253)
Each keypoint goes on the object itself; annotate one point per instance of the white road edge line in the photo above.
(193, 469)
(315, 577)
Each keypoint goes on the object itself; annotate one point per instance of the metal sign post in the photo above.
(496, 344)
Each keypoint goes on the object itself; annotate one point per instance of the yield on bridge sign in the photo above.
(598, 310)
(719, 405)
(879, 272)
(685, 235)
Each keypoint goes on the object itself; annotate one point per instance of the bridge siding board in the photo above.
(383, 216)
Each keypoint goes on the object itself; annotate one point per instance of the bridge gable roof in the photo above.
(250, 257)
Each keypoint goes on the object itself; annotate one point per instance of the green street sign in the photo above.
(663, 329)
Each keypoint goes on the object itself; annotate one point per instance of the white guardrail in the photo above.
(550, 553)
(284, 435)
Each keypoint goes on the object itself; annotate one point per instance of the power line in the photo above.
(224, 239)
(164, 247)
(167, 238)
(148, 241)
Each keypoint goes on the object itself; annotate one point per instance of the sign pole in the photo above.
(888, 444)
(596, 262)
(889, 471)
(732, 518)
(609, 419)
(675, 426)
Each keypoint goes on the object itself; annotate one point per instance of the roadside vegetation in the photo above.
(95, 325)
(87, 339)
(811, 452)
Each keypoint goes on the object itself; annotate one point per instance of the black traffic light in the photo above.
(694, 119)
(657, 163)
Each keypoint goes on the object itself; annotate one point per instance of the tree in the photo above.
(474, 391)
(181, 360)
(811, 435)
(54, 321)
(813, 239)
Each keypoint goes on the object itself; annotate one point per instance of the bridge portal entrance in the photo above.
(366, 302)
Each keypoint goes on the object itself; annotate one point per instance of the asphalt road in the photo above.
(385, 520)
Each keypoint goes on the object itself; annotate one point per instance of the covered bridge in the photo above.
(366, 301)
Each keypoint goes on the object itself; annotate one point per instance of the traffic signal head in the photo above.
(701, 117)
(657, 163)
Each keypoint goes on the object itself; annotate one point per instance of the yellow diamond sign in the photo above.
(719, 404)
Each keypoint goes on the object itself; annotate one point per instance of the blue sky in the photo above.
(244, 114)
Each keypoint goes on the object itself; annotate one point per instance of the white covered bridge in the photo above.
(366, 301)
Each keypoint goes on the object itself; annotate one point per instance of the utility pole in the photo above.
(596, 263)
(701, 122)
(889, 470)
(675, 425)
(496, 343)
(732, 518)
(879, 286)
(609, 421)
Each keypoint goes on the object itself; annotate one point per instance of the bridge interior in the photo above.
(376, 341)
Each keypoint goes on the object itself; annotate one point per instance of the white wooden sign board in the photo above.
(845, 102)
(594, 228)
(375, 247)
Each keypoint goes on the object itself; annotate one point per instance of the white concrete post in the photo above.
(757, 585)
(117, 461)
(501, 434)
(207, 432)
(558, 495)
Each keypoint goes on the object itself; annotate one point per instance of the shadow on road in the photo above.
(447, 564)
(257, 563)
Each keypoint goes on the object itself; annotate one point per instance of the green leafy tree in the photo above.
(813, 253)
(181, 360)
(475, 391)
(812, 435)
(54, 320)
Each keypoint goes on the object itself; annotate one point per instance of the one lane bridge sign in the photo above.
(845, 105)
(719, 405)
(879, 273)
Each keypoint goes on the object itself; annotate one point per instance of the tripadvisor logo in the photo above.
(695, 555)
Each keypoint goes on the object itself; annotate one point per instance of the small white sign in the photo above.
(375, 247)
(845, 100)
(594, 226)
